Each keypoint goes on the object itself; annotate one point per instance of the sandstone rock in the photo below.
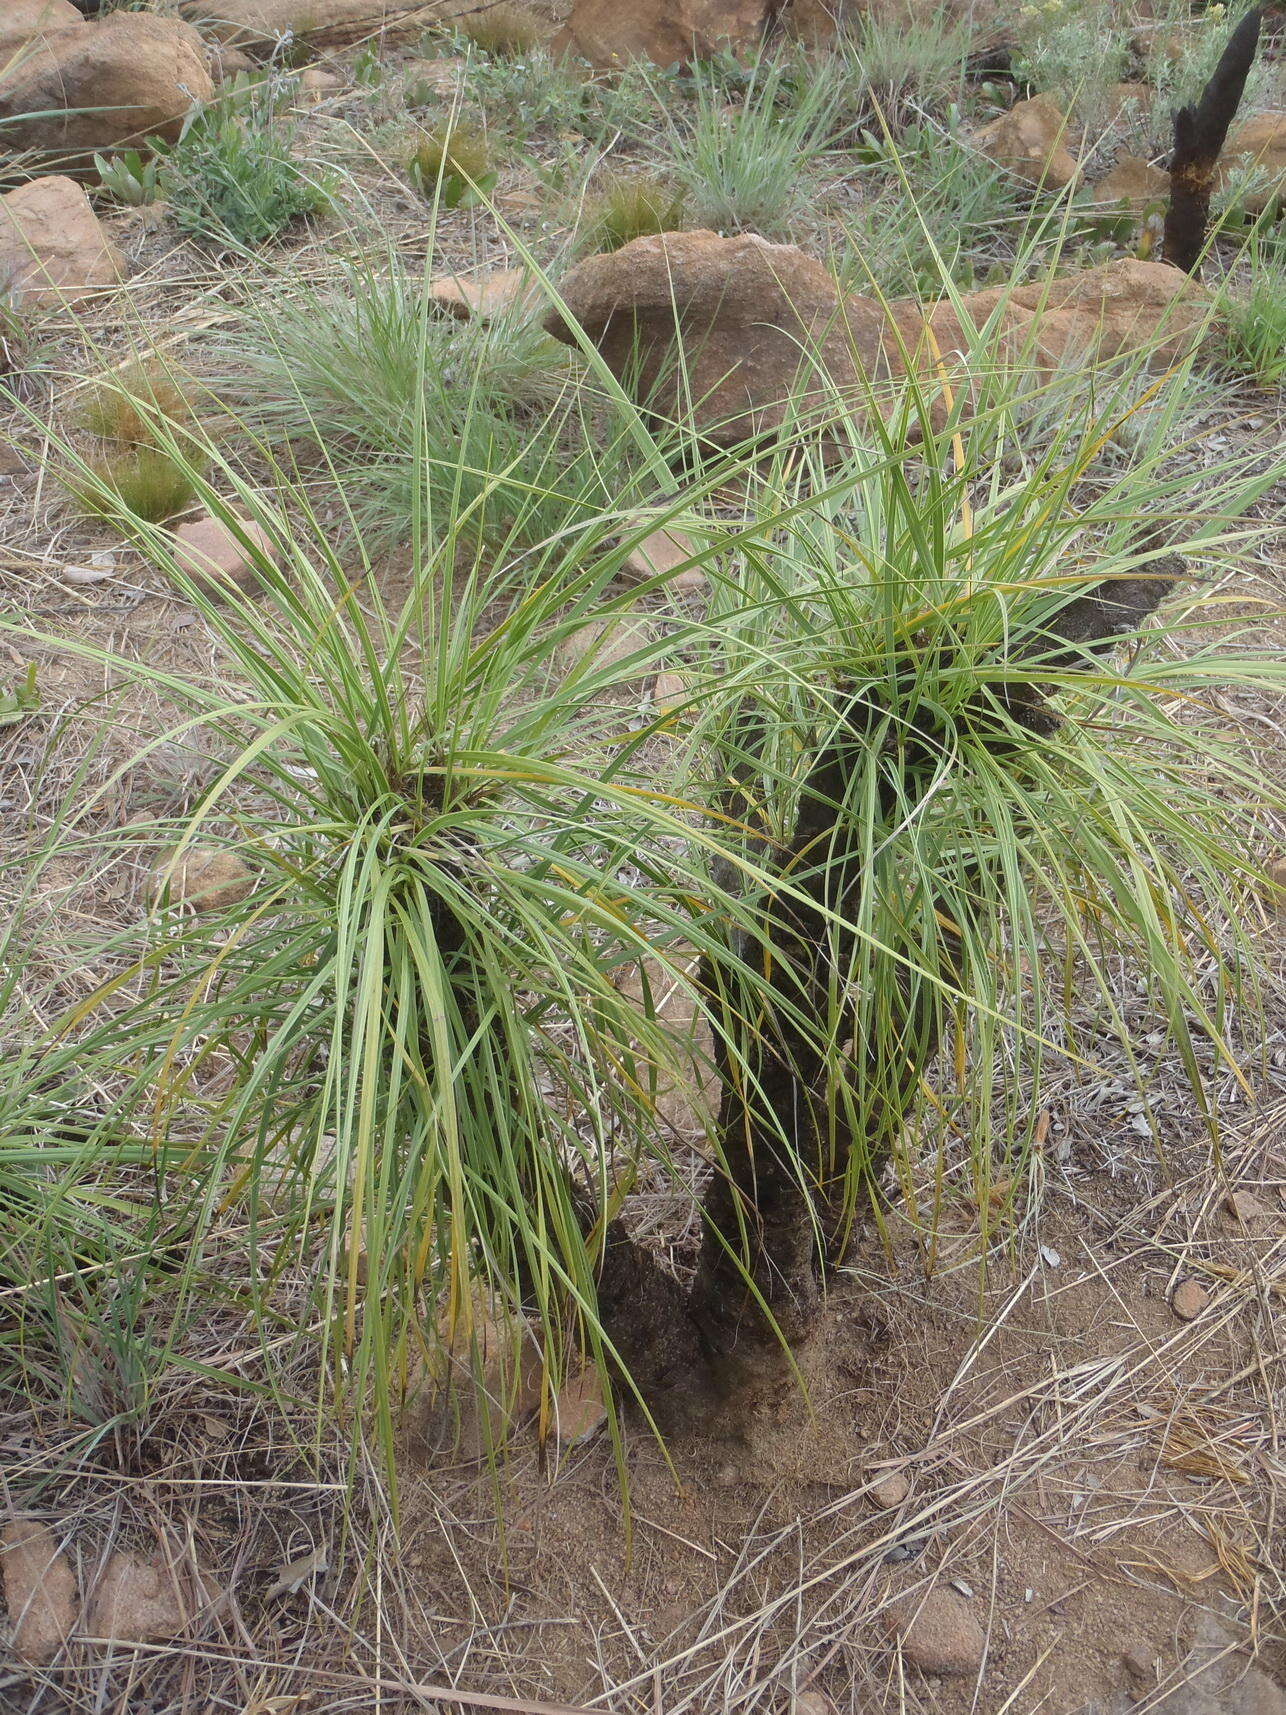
(1140, 1662)
(1214, 1679)
(752, 315)
(1189, 1300)
(938, 1632)
(485, 296)
(315, 84)
(671, 691)
(482, 1382)
(603, 644)
(579, 1408)
(24, 22)
(658, 554)
(203, 878)
(1275, 888)
(1101, 313)
(667, 32)
(227, 63)
(1258, 145)
(209, 552)
(135, 1601)
(1245, 1208)
(1125, 98)
(1031, 142)
(39, 1591)
(1134, 182)
(747, 308)
(439, 77)
(259, 26)
(104, 86)
(53, 249)
(812, 1703)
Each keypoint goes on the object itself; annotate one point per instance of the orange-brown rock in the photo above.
(39, 1591)
(611, 33)
(259, 26)
(1258, 147)
(1134, 182)
(757, 321)
(765, 329)
(24, 22)
(1030, 141)
(104, 86)
(52, 248)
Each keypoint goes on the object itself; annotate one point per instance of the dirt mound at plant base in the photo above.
(1085, 1495)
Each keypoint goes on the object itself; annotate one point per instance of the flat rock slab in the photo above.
(135, 1601)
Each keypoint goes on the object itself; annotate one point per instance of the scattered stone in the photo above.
(104, 86)
(314, 84)
(670, 690)
(260, 26)
(1189, 1300)
(1141, 1663)
(1030, 140)
(579, 1407)
(210, 553)
(749, 311)
(1124, 96)
(1275, 877)
(1135, 182)
(484, 1379)
(1245, 1208)
(667, 32)
(658, 554)
(487, 297)
(938, 1632)
(602, 644)
(440, 76)
(53, 249)
(135, 1601)
(204, 878)
(1214, 1678)
(39, 1591)
(889, 1490)
(1257, 145)
(1153, 41)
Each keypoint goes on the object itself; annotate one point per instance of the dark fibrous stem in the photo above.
(1199, 136)
(785, 1161)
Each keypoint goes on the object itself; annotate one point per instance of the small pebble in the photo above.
(890, 1490)
(1140, 1662)
(1190, 1299)
(1244, 1207)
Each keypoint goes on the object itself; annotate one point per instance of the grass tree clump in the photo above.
(630, 205)
(946, 770)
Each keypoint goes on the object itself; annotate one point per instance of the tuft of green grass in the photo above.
(504, 31)
(750, 165)
(452, 164)
(130, 485)
(1255, 323)
(630, 205)
(889, 70)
